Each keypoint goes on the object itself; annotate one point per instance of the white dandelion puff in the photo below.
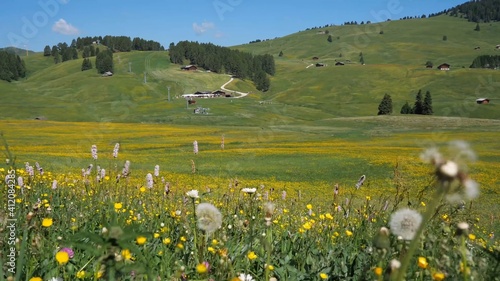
(209, 217)
(405, 223)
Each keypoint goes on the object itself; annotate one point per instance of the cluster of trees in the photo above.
(422, 106)
(478, 11)
(61, 52)
(12, 67)
(486, 61)
(224, 60)
(104, 61)
(125, 44)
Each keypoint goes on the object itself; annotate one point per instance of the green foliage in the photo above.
(429, 64)
(476, 11)
(445, 38)
(86, 64)
(220, 59)
(418, 107)
(427, 104)
(104, 61)
(329, 39)
(477, 28)
(385, 106)
(11, 66)
(47, 51)
(280, 54)
(486, 61)
(406, 109)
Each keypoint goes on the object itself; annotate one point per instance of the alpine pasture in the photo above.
(278, 169)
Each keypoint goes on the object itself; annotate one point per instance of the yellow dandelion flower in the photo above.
(251, 255)
(156, 235)
(270, 267)
(211, 250)
(329, 216)
(472, 237)
(99, 274)
(180, 246)
(142, 189)
(141, 240)
(18, 201)
(378, 271)
(422, 262)
(47, 222)
(201, 268)
(309, 206)
(62, 257)
(438, 276)
(215, 242)
(307, 225)
(36, 279)
(323, 276)
(183, 239)
(118, 206)
(80, 274)
(166, 241)
(126, 254)
(348, 233)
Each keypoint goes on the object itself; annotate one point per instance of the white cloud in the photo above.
(204, 27)
(62, 27)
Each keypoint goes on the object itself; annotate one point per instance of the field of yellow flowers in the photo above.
(99, 201)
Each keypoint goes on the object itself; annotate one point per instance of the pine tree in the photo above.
(418, 107)
(280, 54)
(406, 109)
(478, 28)
(86, 64)
(427, 105)
(385, 106)
(46, 51)
(329, 39)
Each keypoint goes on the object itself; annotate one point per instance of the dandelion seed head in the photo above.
(193, 194)
(209, 217)
(405, 223)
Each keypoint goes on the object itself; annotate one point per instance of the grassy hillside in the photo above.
(300, 92)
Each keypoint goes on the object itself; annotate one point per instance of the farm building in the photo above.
(444, 66)
(482, 101)
(189, 67)
(207, 94)
(320, 64)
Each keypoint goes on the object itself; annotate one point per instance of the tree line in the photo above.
(12, 67)
(486, 61)
(422, 105)
(478, 11)
(225, 60)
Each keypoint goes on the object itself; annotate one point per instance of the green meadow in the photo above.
(314, 130)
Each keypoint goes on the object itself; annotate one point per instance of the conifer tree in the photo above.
(406, 109)
(418, 107)
(385, 106)
(427, 105)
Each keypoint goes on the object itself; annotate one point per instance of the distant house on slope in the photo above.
(320, 64)
(189, 67)
(444, 66)
(482, 101)
(339, 63)
(315, 58)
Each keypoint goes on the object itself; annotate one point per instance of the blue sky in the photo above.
(33, 24)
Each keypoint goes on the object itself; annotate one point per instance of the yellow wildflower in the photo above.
(472, 237)
(422, 262)
(118, 206)
(62, 257)
(251, 255)
(166, 241)
(309, 206)
(126, 254)
(323, 276)
(201, 268)
(378, 271)
(141, 240)
(35, 279)
(80, 274)
(438, 276)
(348, 233)
(47, 222)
